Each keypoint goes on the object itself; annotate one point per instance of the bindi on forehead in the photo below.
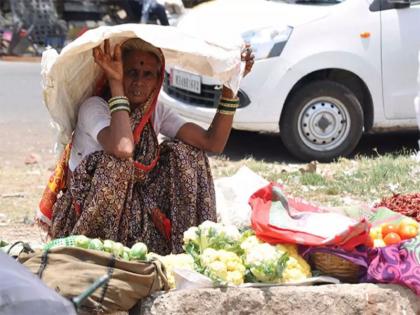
(144, 63)
(141, 61)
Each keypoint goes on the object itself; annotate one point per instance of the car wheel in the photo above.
(321, 121)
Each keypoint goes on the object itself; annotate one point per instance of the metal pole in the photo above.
(77, 301)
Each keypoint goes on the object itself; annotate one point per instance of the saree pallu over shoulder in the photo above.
(56, 183)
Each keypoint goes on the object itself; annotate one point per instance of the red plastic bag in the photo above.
(278, 219)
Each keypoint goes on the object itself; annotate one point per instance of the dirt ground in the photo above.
(26, 159)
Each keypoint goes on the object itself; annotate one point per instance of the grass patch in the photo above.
(365, 179)
(312, 179)
(362, 179)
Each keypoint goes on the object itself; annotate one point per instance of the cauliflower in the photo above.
(264, 262)
(222, 266)
(181, 261)
(235, 277)
(226, 256)
(291, 249)
(192, 235)
(208, 227)
(296, 269)
(217, 270)
(211, 235)
(260, 254)
(208, 256)
(250, 242)
(232, 265)
(232, 233)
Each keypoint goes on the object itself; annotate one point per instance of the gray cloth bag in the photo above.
(23, 293)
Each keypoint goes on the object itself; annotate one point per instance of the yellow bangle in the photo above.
(235, 99)
(226, 112)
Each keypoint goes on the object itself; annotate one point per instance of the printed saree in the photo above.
(165, 189)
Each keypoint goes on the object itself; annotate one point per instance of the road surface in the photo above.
(24, 125)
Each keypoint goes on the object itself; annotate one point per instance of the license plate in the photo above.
(185, 81)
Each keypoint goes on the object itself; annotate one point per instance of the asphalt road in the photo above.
(24, 120)
(20, 93)
(24, 124)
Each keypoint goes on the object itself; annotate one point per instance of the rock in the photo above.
(3, 219)
(32, 158)
(27, 220)
(325, 299)
(309, 168)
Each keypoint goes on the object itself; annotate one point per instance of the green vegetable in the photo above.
(108, 246)
(81, 241)
(118, 249)
(222, 266)
(126, 253)
(264, 261)
(138, 251)
(96, 244)
(212, 235)
(126, 256)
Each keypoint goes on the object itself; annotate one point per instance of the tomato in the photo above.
(407, 231)
(392, 238)
(389, 228)
(409, 221)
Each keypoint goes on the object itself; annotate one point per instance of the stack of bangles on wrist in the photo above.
(118, 103)
(228, 106)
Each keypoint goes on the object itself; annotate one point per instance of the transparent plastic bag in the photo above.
(232, 196)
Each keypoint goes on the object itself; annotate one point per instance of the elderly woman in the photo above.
(125, 186)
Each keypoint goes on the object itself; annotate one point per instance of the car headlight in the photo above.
(268, 42)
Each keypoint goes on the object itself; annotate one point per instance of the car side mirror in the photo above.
(400, 4)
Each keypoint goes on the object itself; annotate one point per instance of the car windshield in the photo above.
(310, 1)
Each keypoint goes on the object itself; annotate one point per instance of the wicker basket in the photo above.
(335, 266)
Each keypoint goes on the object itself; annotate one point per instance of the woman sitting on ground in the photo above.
(123, 185)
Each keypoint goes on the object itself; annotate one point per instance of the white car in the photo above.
(326, 70)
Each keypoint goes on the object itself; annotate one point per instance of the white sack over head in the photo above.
(70, 77)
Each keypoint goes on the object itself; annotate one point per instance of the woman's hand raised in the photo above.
(248, 57)
(111, 64)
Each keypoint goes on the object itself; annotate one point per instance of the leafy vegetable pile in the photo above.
(137, 252)
(229, 257)
(220, 252)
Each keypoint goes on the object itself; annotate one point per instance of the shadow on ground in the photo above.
(268, 147)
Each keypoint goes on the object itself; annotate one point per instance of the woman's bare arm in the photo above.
(214, 139)
(117, 138)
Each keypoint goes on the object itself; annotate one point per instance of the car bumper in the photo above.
(260, 86)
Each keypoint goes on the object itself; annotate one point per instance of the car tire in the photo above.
(321, 121)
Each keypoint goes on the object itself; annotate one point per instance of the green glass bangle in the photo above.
(229, 109)
(119, 104)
